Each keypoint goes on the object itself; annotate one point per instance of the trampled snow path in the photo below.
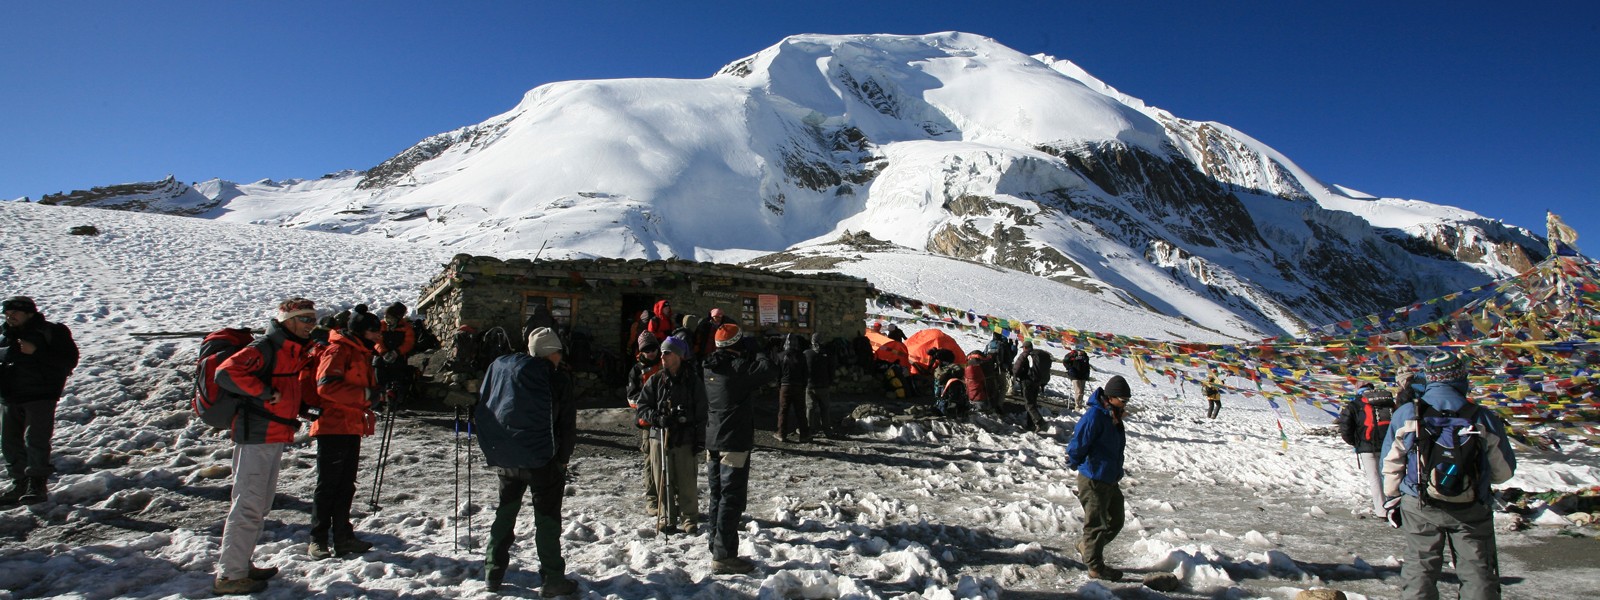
(912, 510)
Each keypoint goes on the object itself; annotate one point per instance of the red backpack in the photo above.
(214, 405)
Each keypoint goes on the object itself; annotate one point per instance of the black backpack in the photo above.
(425, 341)
(1446, 460)
(493, 344)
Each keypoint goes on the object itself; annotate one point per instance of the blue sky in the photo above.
(1487, 106)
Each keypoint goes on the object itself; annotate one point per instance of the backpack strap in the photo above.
(269, 362)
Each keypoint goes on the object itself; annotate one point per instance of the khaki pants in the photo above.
(684, 490)
(255, 482)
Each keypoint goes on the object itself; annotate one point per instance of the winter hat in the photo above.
(289, 309)
(647, 342)
(716, 313)
(543, 342)
(1445, 367)
(362, 321)
(689, 321)
(676, 346)
(22, 303)
(396, 310)
(1117, 387)
(728, 335)
(1027, 344)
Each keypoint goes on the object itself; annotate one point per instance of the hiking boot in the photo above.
(231, 587)
(493, 577)
(351, 545)
(690, 527)
(19, 487)
(732, 566)
(651, 508)
(780, 439)
(318, 551)
(666, 528)
(38, 491)
(263, 573)
(1106, 573)
(558, 587)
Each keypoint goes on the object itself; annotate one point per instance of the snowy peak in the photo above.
(947, 143)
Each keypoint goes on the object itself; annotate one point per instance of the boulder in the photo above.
(1162, 582)
(1320, 594)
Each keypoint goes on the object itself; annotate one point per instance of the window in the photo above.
(562, 306)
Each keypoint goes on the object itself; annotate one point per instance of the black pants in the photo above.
(1030, 399)
(25, 431)
(338, 457)
(792, 410)
(1213, 407)
(730, 487)
(546, 483)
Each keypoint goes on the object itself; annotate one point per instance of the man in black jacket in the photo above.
(732, 376)
(820, 367)
(1363, 423)
(1077, 365)
(36, 356)
(1032, 372)
(670, 404)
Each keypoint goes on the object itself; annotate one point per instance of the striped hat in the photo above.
(1445, 367)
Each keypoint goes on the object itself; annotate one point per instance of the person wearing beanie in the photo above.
(1211, 388)
(347, 390)
(273, 376)
(705, 333)
(527, 427)
(645, 364)
(670, 405)
(732, 376)
(1096, 453)
(1422, 507)
(395, 342)
(36, 357)
(792, 377)
(1032, 371)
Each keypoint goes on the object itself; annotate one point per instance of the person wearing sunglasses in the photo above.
(273, 374)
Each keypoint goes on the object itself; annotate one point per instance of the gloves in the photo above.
(1391, 508)
(391, 356)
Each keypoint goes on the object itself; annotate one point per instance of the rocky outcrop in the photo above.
(168, 196)
(397, 168)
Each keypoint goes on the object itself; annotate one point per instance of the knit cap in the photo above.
(728, 335)
(1445, 367)
(1117, 387)
(676, 346)
(543, 342)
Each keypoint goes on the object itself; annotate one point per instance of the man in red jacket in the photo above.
(347, 386)
(273, 377)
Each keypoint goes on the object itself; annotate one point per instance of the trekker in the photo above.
(646, 364)
(820, 367)
(1212, 390)
(1096, 453)
(671, 404)
(1076, 362)
(732, 376)
(792, 381)
(663, 321)
(347, 388)
(395, 344)
(893, 332)
(976, 379)
(36, 357)
(640, 326)
(1032, 370)
(1435, 500)
(1363, 423)
(527, 430)
(1001, 353)
(274, 375)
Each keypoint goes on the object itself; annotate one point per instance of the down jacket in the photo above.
(731, 381)
(1098, 442)
(39, 376)
(345, 383)
(525, 420)
(292, 377)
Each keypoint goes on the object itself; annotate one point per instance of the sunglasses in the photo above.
(306, 320)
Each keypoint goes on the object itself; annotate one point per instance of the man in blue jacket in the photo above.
(1096, 452)
(527, 433)
(1428, 510)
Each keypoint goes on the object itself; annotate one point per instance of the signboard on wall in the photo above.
(769, 308)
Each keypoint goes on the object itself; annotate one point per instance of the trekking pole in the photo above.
(383, 454)
(669, 503)
(455, 495)
(471, 544)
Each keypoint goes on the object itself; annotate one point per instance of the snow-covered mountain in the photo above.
(947, 143)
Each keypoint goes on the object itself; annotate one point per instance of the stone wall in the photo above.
(486, 292)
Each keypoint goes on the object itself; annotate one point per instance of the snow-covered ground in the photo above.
(902, 510)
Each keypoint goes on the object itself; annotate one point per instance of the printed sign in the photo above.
(769, 308)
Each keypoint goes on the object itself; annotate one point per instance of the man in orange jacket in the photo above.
(273, 376)
(347, 387)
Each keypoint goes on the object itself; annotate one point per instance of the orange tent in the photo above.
(922, 341)
(888, 350)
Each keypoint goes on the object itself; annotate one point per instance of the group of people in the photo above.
(1430, 453)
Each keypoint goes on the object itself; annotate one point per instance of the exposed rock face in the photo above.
(395, 170)
(168, 196)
